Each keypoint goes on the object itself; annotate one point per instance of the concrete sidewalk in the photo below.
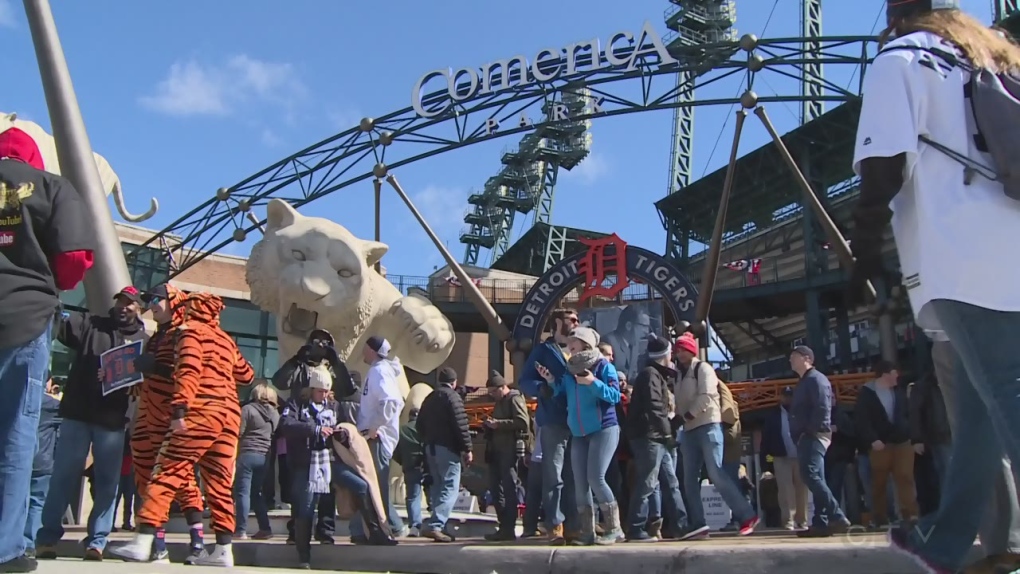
(765, 553)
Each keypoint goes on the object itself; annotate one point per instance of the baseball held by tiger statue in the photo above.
(311, 272)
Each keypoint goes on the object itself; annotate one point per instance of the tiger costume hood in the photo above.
(176, 298)
(202, 308)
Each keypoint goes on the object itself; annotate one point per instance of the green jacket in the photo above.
(512, 422)
(409, 452)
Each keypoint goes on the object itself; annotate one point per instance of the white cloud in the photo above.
(593, 168)
(344, 119)
(193, 88)
(270, 139)
(7, 19)
(443, 208)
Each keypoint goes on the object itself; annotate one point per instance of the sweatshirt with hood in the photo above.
(89, 336)
(259, 422)
(208, 360)
(46, 241)
(381, 403)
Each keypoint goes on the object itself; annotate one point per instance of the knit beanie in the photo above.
(319, 377)
(657, 347)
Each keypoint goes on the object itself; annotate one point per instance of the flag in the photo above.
(452, 280)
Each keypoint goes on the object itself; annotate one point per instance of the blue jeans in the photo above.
(811, 459)
(412, 496)
(40, 488)
(558, 498)
(304, 502)
(126, 493)
(248, 481)
(23, 374)
(68, 463)
(589, 460)
(704, 446)
(444, 466)
(533, 497)
(985, 398)
(654, 470)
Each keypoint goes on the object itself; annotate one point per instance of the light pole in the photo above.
(109, 273)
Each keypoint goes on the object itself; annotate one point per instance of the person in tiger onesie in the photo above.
(205, 420)
(152, 421)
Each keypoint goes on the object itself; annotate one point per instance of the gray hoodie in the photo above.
(258, 425)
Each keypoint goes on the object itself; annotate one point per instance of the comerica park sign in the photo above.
(623, 51)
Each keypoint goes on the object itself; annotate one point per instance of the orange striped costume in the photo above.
(209, 367)
(153, 418)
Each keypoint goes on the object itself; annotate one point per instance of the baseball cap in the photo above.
(131, 293)
(895, 9)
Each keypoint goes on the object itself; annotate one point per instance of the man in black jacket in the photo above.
(882, 422)
(46, 247)
(650, 434)
(93, 420)
(319, 349)
(929, 423)
(443, 429)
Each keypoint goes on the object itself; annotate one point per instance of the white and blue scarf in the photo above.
(320, 470)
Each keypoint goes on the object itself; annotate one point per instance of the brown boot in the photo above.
(556, 535)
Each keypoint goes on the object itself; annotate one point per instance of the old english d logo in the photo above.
(605, 257)
(12, 198)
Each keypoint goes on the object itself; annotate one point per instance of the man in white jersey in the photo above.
(956, 242)
(379, 417)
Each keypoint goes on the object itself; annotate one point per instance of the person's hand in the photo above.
(372, 434)
(585, 378)
(544, 372)
(178, 425)
(489, 423)
(326, 432)
(878, 445)
(469, 457)
(833, 429)
(919, 449)
(100, 375)
(867, 252)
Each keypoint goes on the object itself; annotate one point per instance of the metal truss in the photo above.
(1002, 9)
(811, 74)
(403, 137)
(761, 336)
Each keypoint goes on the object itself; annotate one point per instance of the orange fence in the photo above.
(750, 395)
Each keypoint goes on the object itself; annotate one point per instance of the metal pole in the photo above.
(255, 220)
(886, 329)
(700, 325)
(836, 240)
(109, 273)
(483, 306)
(377, 183)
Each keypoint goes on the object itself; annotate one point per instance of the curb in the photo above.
(765, 558)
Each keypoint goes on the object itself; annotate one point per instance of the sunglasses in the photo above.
(151, 299)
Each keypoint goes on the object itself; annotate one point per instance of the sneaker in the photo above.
(325, 539)
(222, 555)
(414, 532)
(699, 533)
(160, 557)
(840, 527)
(402, 533)
(639, 536)
(304, 566)
(437, 535)
(899, 541)
(138, 550)
(814, 532)
(262, 535)
(654, 529)
(501, 536)
(290, 540)
(531, 533)
(240, 536)
(748, 526)
(731, 527)
(93, 555)
(195, 552)
(19, 564)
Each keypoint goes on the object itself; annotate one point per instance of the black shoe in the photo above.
(359, 540)
(325, 539)
(19, 564)
(654, 529)
(501, 536)
(814, 532)
(840, 526)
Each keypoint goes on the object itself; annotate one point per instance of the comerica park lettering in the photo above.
(548, 65)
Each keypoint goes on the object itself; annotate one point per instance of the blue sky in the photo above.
(185, 97)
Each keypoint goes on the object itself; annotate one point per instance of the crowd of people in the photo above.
(192, 445)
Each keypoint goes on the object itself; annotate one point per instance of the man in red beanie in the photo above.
(45, 247)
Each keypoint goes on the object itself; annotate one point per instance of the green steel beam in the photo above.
(681, 156)
(812, 74)
(1003, 9)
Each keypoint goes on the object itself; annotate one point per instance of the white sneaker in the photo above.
(222, 556)
(414, 532)
(138, 550)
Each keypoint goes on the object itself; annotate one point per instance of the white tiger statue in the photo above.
(311, 272)
(48, 149)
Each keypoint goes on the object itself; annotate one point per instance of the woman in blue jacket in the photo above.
(592, 389)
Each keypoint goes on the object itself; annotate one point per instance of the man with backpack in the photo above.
(698, 401)
(937, 159)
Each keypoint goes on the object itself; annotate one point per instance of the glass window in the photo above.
(74, 297)
(251, 349)
(240, 317)
(61, 359)
(271, 325)
(149, 267)
(272, 359)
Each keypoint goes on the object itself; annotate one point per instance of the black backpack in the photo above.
(995, 102)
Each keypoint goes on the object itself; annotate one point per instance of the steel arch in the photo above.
(350, 156)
